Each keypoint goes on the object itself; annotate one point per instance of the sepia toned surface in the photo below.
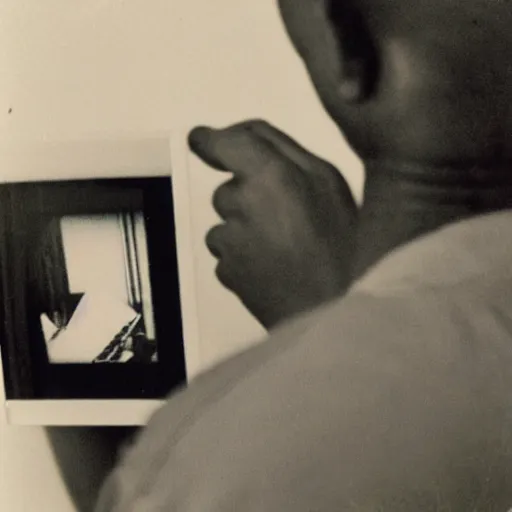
(123, 66)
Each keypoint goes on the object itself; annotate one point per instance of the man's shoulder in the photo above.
(243, 409)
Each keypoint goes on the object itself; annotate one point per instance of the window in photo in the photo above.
(98, 292)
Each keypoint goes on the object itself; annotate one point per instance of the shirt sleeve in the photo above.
(108, 496)
(392, 404)
(141, 463)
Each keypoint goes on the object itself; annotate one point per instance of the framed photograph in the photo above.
(89, 290)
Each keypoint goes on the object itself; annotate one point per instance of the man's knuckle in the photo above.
(241, 130)
(223, 275)
(226, 199)
(259, 124)
(219, 199)
(213, 239)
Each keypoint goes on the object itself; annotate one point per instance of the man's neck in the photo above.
(405, 201)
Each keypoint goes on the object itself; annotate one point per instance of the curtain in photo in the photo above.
(33, 280)
(132, 272)
(138, 283)
(50, 274)
(17, 316)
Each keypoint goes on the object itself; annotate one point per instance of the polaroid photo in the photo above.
(91, 316)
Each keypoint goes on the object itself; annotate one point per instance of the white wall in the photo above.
(82, 69)
(29, 475)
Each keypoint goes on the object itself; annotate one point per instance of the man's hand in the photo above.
(287, 240)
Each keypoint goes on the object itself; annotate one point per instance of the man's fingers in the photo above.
(199, 141)
(236, 149)
(287, 146)
(227, 199)
(224, 240)
(256, 146)
(215, 239)
(220, 242)
(305, 160)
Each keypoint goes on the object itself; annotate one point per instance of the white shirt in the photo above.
(396, 397)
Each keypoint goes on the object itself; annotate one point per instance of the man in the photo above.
(394, 395)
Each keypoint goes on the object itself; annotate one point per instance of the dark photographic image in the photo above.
(89, 281)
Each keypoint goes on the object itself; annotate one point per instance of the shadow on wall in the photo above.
(84, 471)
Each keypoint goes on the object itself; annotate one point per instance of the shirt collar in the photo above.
(463, 250)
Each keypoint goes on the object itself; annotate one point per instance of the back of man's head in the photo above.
(417, 80)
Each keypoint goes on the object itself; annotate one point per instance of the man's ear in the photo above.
(357, 53)
(335, 45)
